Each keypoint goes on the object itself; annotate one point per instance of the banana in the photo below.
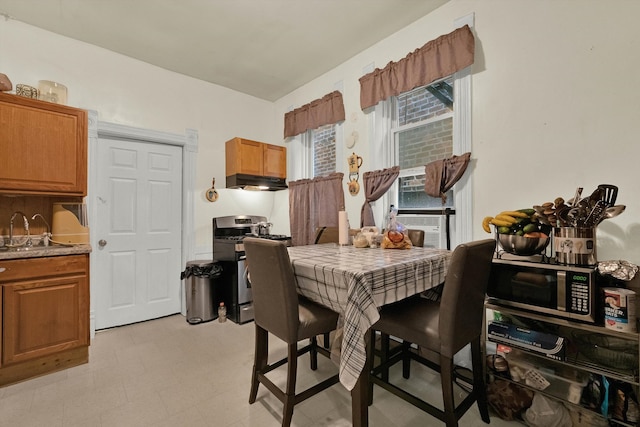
(504, 217)
(516, 214)
(485, 223)
(500, 223)
(528, 211)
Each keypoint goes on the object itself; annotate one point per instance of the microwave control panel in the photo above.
(579, 291)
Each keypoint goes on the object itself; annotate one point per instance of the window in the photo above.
(439, 116)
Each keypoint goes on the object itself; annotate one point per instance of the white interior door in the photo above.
(138, 230)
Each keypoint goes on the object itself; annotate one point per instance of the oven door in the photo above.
(244, 286)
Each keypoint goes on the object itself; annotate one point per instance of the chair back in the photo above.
(463, 295)
(275, 299)
(416, 237)
(326, 235)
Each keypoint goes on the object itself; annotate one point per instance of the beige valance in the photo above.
(436, 59)
(327, 110)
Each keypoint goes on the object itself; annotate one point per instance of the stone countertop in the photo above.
(43, 251)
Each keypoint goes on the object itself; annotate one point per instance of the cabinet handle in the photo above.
(2, 269)
(102, 243)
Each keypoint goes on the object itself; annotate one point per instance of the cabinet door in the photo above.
(244, 156)
(48, 312)
(43, 147)
(275, 161)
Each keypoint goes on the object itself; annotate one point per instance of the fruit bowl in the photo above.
(522, 245)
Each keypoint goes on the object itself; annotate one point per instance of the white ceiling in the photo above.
(264, 48)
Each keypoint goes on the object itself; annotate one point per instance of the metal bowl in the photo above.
(524, 246)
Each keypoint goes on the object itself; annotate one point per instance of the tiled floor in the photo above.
(166, 372)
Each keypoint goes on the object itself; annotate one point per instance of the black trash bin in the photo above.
(200, 291)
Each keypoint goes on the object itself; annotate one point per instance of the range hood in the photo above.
(255, 182)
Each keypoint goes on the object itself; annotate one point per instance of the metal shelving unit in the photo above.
(573, 358)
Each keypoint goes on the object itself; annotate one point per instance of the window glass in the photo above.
(424, 134)
(324, 150)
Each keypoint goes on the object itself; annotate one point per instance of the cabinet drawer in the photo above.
(20, 269)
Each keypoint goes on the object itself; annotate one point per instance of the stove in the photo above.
(229, 231)
(228, 250)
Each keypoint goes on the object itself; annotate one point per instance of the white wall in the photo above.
(556, 104)
(133, 93)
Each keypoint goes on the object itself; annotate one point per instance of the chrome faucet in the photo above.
(45, 236)
(28, 242)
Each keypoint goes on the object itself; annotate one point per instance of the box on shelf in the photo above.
(562, 382)
(550, 345)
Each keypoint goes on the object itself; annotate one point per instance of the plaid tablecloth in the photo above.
(356, 281)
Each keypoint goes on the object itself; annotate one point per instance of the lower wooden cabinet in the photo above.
(45, 315)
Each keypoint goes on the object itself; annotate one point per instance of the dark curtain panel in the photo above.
(327, 110)
(314, 203)
(441, 175)
(436, 59)
(376, 183)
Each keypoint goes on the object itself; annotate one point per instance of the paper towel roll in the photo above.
(343, 228)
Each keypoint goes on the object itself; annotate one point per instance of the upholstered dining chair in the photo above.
(416, 237)
(280, 311)
(441, 328)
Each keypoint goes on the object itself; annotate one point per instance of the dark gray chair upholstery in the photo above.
(441, 329)
(416, 237)
(280, 311)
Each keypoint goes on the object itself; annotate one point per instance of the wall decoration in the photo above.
(352, 139)
(212, 194)
(354, 162)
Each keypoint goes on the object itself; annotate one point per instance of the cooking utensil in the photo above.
(613, 211)
(576, 197)
(609, 193)
(596, 214)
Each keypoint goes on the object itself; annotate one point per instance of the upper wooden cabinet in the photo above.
(244, 156)
(43, 147)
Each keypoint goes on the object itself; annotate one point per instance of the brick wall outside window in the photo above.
(324, 150)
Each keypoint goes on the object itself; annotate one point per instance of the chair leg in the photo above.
(446, 378)
(313, 353)
(371, 345)
(327, 341)
(479, 387)
(260, 360)
(290, 393)
(406, 359)
(384, 352)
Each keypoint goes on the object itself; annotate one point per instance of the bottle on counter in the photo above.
(222, 313)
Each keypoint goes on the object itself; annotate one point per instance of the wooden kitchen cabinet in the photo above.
(244, 156)
(43, 148)
(45, 315)
(275, 161)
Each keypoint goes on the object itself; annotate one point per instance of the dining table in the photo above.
(356, 282)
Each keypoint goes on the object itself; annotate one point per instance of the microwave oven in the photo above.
(568, 292)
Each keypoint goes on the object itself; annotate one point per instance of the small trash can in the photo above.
(199, 289)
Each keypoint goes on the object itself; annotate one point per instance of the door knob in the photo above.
(102, 243)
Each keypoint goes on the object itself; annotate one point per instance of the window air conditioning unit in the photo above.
(434, 226)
